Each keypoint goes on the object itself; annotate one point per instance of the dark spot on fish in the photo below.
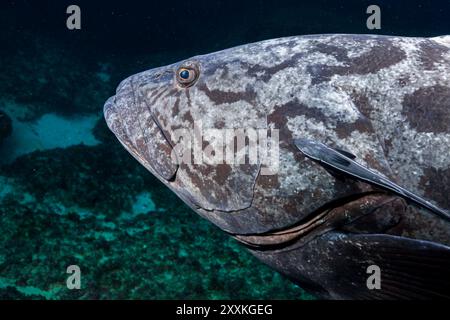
(374, 163)
(207, 170)
(436, 185)
(200, 177)
(280, 117)
(188, 117)
(428, 109)
(221, 97)
(268, 181)
(154, 96)
(286, 44)
(340, 53)
(176, 108)
(207, 72)
(265, 73)
(225, 71)
(222, 173)
(380, 57)
(188, 97)
(310, 113)
(362, 102)
(291, 207)
(432, 53)
(293, 108)
(345, 129)
(219, 186)
(205, 144)
(219, 124)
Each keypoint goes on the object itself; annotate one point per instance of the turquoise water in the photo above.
(71, 195)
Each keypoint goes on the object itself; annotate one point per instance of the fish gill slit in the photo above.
(283, 238)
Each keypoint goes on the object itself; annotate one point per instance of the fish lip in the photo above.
(109, 108)
(108, 111)
(112, 116)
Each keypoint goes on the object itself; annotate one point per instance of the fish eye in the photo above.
(186, 76)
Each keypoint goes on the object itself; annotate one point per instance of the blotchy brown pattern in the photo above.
(437, 185)
(428, 109)
(379, 57)
(432, 53)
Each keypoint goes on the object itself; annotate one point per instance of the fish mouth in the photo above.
(133, 123)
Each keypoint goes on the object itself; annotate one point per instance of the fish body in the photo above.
(385, 100)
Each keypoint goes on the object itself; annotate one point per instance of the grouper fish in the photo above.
(362, 180)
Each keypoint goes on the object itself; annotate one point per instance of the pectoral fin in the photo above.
(338, 161)
(346, 153)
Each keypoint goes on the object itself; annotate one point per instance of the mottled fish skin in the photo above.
(384, 99)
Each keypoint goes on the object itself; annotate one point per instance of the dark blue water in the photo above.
(70, 194)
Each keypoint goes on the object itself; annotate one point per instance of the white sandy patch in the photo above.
(48, 132)
(143, 203)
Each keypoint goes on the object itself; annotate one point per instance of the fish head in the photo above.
(184, 121)
(164, 118)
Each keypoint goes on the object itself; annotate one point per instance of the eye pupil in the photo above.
(184, 74)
